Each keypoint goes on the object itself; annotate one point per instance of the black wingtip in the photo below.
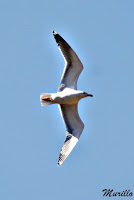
(54, 32)
(59, 162)
(57, 37)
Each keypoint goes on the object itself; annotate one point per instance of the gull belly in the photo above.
(68, 96)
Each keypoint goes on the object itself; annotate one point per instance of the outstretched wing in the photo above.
(73, 66)
(74, 128)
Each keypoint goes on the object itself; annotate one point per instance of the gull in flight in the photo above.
(67, 97)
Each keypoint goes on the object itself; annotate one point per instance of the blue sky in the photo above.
(102, 34)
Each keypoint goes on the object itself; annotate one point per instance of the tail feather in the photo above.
(45, 99)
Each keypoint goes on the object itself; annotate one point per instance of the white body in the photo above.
(67, 96)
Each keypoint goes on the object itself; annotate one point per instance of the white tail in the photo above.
(45, 99)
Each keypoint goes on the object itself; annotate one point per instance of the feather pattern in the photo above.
(74, 127)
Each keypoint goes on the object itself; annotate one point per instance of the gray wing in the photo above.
(74, 128)
(73, 66)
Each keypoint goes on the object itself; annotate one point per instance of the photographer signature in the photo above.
(111, 193)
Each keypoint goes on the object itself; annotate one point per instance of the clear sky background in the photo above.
(102, 34)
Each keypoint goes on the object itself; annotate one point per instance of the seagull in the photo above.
(67, 97)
